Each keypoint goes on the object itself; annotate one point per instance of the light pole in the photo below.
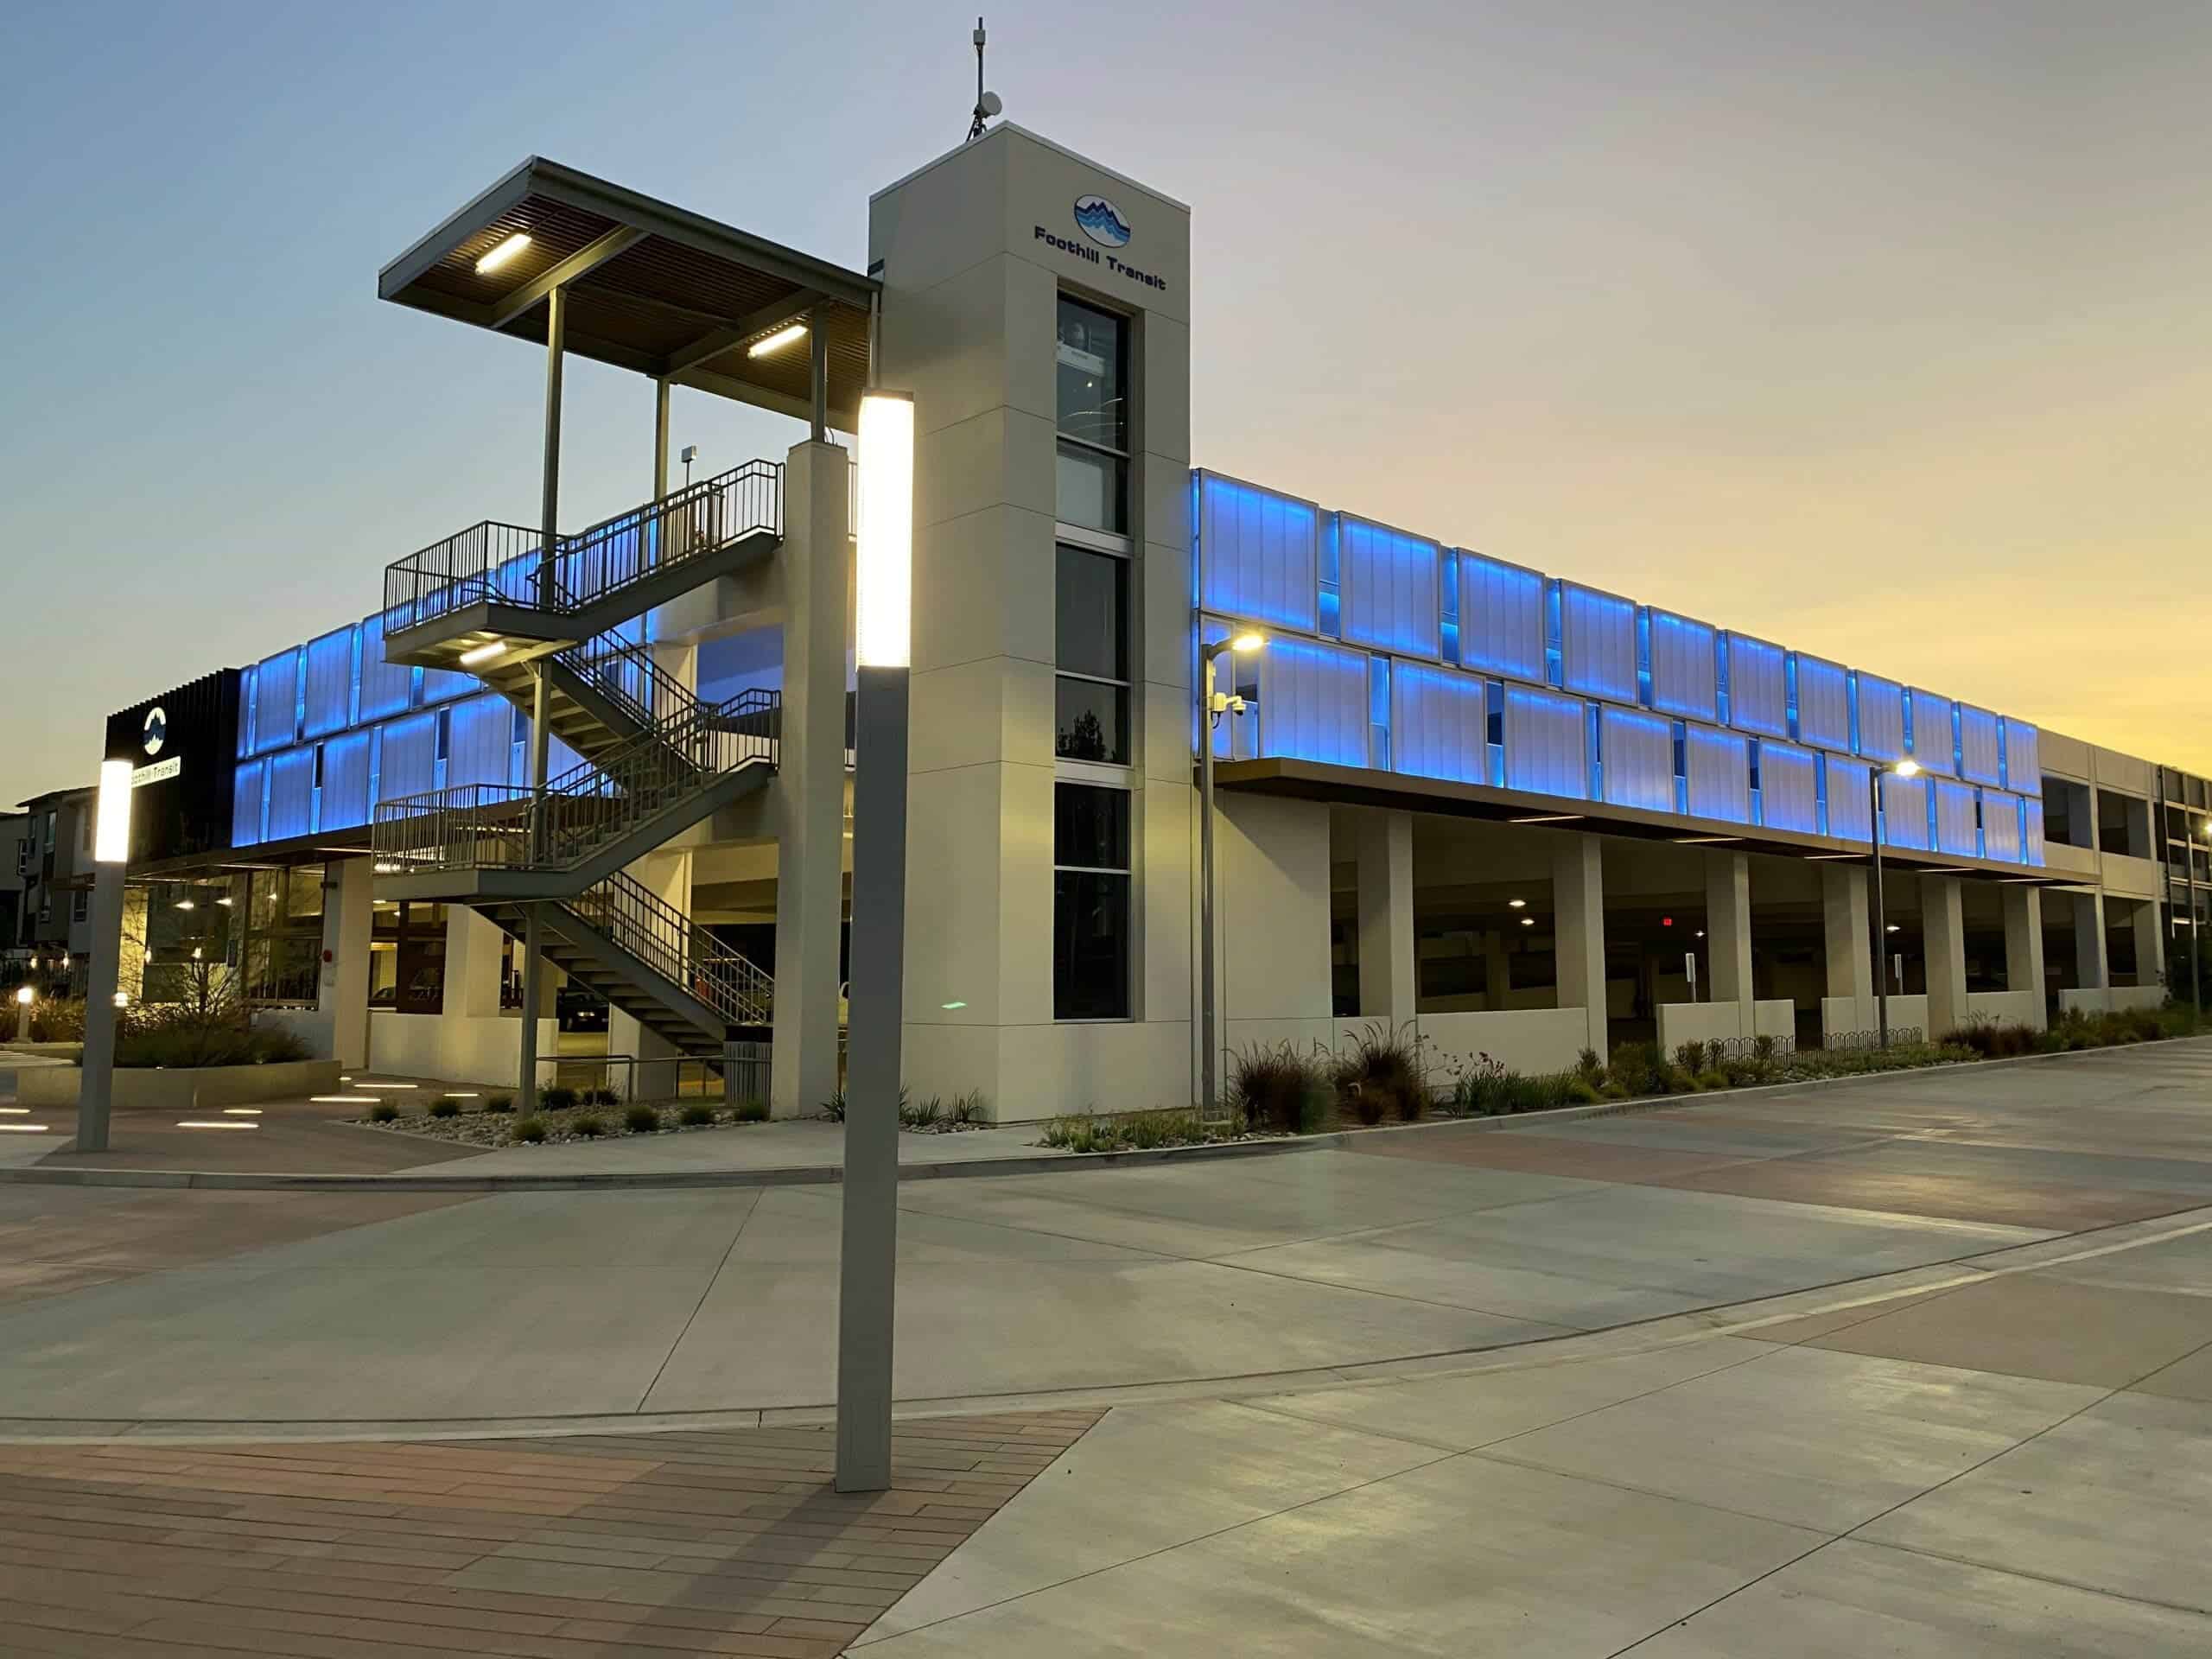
(111, 853)
(869, 1249)
(24, 998)
(1906, 768)
(1217, 704)
(2195, 948)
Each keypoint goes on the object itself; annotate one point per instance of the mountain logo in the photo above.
(158, 730)
(1102, 221)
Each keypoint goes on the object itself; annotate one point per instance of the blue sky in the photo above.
(1876, 329)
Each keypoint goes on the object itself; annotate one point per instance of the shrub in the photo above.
(499, 1103)
(384, 1112)
(1992, 1041)
(834, 1108)
(61, 1020)
(1635, 1067)
(532, 1129)
(556, 1099)
(445, 1109)
(1277, 1087)
(696, 1113)
(1088, 1132)
(1712, 1078)
(587, 1124)
(642, 1120)
(603, 1097)
(756, 1111)
(971, 1108)
(1383, 1072)
(1690, 1057)
(1762, 1046)
(1612, 1092)
(1579, 1092)
(1589, 1067)
(1489, 1088)
(1163, 1128)
(1677, 1081)
(183, 1037)
(926, 1113)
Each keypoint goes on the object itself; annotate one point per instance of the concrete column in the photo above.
(2023, 946)
(1387, 974)
(1578, 923)
(1728, 932)
(2090, 973)
(475, 957)
(348, 901)
(814, 568)
(2150, 945)
(1497, 969)
(1850, 950)
(1942, 921)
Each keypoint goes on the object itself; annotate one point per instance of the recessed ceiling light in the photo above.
(1527, 921)
(1516, 904)
(499, 256)
(777, 342)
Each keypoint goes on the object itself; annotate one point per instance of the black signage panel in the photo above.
(182, 747)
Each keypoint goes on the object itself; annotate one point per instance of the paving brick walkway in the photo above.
(726, 1543)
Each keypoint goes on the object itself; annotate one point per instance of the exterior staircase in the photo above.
(655, 759)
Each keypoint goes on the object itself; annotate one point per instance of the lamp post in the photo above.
(111, 852)
(2196, 947)
(1217, 704)
(868, 1255)
(24, 998)
(1906, 768)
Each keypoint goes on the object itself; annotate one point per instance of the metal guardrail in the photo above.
(676, 1077)
(511, 563)
(678, 948)
(506, 826)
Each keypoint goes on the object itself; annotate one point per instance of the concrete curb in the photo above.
(1042, 1163)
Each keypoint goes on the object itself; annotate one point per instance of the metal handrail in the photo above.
(507, 562)
(678, 948)
(625, 674)
(579, 813)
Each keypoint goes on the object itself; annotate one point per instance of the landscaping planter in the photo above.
(183, 1089)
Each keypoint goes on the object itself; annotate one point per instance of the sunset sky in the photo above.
(1883, 330)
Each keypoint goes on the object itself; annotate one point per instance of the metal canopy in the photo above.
(650, 286)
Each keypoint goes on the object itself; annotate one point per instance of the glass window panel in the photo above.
(1090, 827)
(1091, 946)
(1091, 602)
(303, 891)
(1092, 404)
(1093, 490)
(1092, 722)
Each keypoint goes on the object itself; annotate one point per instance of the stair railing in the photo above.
(637, 920)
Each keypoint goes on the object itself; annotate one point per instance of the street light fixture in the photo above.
(1906, 768)
(1217, 704)
(25, 997)
(883, 639)
(111, 852)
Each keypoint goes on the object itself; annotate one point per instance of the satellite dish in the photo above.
(990, 103)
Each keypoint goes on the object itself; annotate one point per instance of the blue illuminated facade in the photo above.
(1392, 653)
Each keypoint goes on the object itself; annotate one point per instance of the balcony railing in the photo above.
(508, 563)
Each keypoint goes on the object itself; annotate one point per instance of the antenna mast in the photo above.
(975, 127)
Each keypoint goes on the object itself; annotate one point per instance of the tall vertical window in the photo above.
(1090, 903)
(1092, 600)
(1094, 418)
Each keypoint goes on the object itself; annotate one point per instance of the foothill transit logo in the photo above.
(1102, 222)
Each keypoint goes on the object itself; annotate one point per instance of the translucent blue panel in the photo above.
(1638, 750)
(1978, 751)
(1823, 704)
(1389, 584)
(249, 680)
(750, 661)
(560, 758)
(480, 741)
(384, 685)
(330, 683)
(1789, 787)
(1757, 689)
(2000, 826)
(1547, 743)
(1501, 617)
(1934, 745)
(1955, 819)
(291, 794)
(2023, 766)
(1597, 642)
(410, 757)
(1313, 702)
(1881, 716)
(442, 684)
(1719, 769)
(1255, 552)
(275, 701)
(1682, 667)
(2032, 806)
(1438, 724)
(1905, 813)
(247, 784)
(344, 782)
(1850, 811)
